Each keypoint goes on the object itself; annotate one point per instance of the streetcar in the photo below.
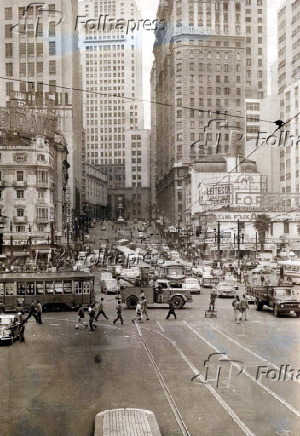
(54, 290)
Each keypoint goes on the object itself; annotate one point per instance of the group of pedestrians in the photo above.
(141, 309)
(240, 307)
(92, 316)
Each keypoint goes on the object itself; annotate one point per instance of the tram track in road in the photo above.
(248, 350)
(247, 374)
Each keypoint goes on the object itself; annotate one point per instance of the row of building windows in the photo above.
(30, 69)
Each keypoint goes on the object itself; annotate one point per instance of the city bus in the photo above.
(170, 271)
(54, 290)
(291, 270)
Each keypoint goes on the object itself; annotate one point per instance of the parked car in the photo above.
(226, 288)
(9, 328)
(251, 265)
(192, 284)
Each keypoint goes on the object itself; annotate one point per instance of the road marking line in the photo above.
(273, 394)
(160, 326)
(139, 330)
(226, 406)
(249, 351)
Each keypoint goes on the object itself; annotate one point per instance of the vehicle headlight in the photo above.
(281, 305)
(4, 333)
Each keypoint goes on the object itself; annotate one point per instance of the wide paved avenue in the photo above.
(60, 378)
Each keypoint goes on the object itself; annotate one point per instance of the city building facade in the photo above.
(40, 65)
(217, 196)
(34, 176)
(199, 70)
(289, 94)
(111, 58)
(95, 200)
(210, 71)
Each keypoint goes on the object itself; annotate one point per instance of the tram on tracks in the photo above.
(54, 290)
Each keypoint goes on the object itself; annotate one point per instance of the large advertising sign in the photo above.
(31, 122)
(243, 192)
(215, 196)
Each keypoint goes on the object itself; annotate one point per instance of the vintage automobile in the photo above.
(9, 328)
(192, 284)
(226, 288)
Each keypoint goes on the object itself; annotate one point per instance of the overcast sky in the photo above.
(148, 10)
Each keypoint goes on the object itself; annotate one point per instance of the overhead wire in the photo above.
(209, 111)
(122, 97)
(243, 160)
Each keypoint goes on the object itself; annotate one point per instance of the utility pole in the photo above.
(238, 244)
(219, 242)
(256, 241)
(68, 238)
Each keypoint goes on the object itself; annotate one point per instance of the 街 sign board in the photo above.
(30, 122)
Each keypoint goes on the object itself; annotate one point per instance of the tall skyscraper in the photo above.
(199, 70)
(40, 59)
(256, 80)
(289, 93)
(111, 58)
(209, 62)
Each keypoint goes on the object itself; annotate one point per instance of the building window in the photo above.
(8, 50)
(286, 227)
(52, 67)
(8, 13)
(30, 48)
(52, 28)
(39, 49)
(52, 85)
(20, 176)
(20, 229)
(20, 193)
(8, 32)
(23, 70)
(42, 213)
(20, 157)
(42, 176)
(41, 158)
(9, 69)
(52, 48)
(39, 67)
(31, 69)
(20, 212)
(9, 88)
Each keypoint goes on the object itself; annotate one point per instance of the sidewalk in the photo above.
(126, 422)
